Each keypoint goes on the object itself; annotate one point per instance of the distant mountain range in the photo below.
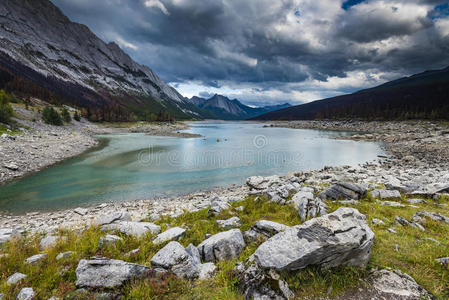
(420, 96)
(44, 54)
(221, 107)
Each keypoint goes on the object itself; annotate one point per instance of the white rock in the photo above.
(26, 294)
(173, 257)
(64, 255)
(221, 246)
(397, 284)
(15, 278)
(36, 259)
(207, 270)
(229, 223)
(137, 229)
(108, 240)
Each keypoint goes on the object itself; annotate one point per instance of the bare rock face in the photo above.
(221, 246)
(340, 238)
(397, 285)
(343, 190)
(107, 273)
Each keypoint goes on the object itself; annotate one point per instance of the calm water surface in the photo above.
(135, 166)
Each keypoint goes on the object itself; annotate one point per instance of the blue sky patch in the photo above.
(350, 3)
(440, 11)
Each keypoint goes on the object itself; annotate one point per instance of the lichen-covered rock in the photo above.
(397, 285)
(221, 246)
(229, 223)
(311, 208)
(264, 229)
(343, 190)
(173, 257)
(107, 273)
(172, 234)
(340, 238)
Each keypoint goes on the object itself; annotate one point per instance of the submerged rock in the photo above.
(107, 273)
(221, 246)
(340, 238)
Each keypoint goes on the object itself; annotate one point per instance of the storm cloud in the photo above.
(264, 51)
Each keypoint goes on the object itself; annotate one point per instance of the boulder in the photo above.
(171, 234)
(137, 229)
(386, 194)
(14, 278)
(264, 229)
(261, 183)
(108, 240)
(397, 285)
(173, 257)
(111, 218)
(340, 238)
(7, 234)
(343, 191)
(229, 223)
(26, 294)
(311, 208)
(107, 273)
(222, 246)
(36, 259)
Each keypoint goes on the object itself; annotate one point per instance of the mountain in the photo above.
(420, 96)
(221, 107)
(43, 53)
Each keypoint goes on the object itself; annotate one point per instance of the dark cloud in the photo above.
(273, 51)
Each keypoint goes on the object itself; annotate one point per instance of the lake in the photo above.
(135, 166)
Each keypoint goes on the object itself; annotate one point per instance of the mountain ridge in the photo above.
(36, 34)
(221, 107)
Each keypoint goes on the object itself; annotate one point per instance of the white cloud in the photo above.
(157, 4)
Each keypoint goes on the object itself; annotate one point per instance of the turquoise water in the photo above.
(135, 166)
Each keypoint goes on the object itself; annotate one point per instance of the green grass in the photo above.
(416, 256)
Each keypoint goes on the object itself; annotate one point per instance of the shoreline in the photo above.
(398, 170)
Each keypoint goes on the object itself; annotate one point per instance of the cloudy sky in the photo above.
(273, 51)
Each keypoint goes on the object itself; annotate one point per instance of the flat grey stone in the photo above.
(36, 259)
(107, 273)
(343, 191)
(172, 234)
(386, 194)
(397, 285)
(222, 246)
(113, 217)
(6, 234)
(340, 238)
(137, 229)
(229, 223)
(64, 255)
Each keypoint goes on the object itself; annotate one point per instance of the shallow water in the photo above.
(135, 166)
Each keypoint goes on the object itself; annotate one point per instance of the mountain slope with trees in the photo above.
(420, 96)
